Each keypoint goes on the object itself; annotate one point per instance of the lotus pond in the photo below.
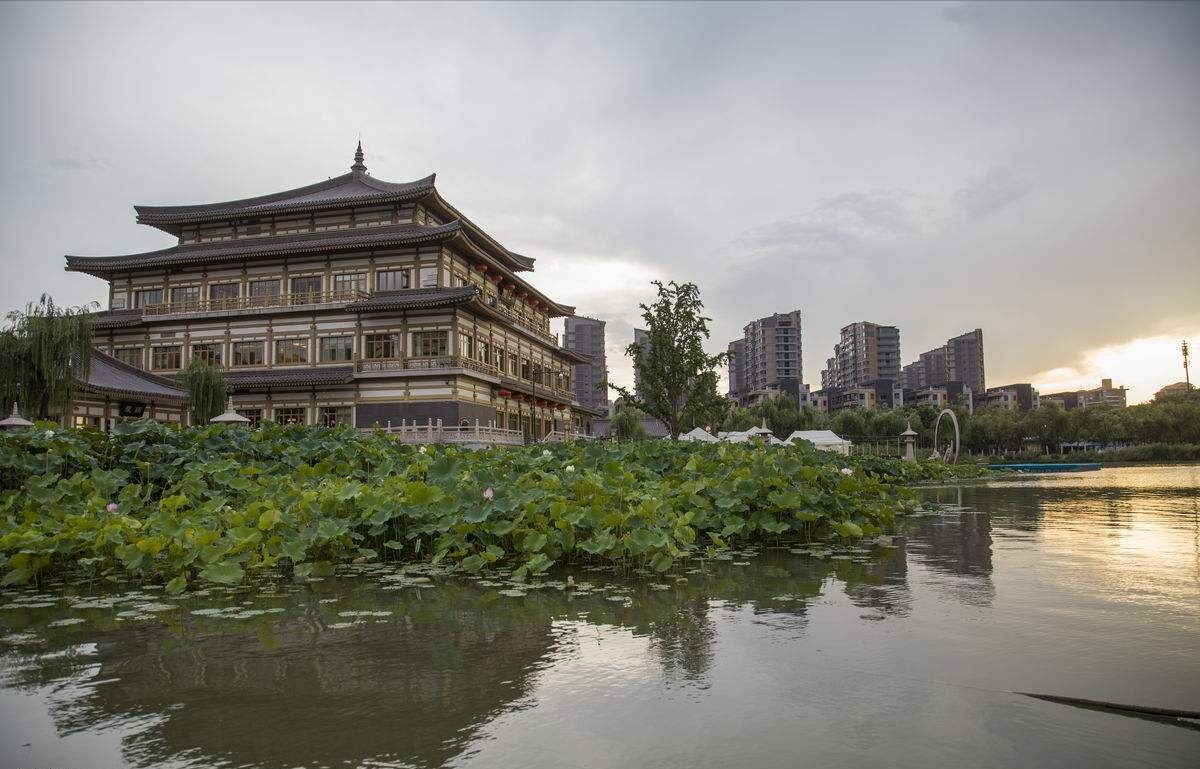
(226, 504)
(902, 651)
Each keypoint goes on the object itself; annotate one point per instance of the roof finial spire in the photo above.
(359, 166)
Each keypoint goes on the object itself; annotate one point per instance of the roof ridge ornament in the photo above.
(359, 167)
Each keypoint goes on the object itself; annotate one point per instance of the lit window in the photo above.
(291, 351)
(336, 415)
(381, 346)
(345, 284)
(209, 352)
(187, 295)
(293, 415)
(262, 288)
(391, 280)
(429, 344)
(147, 297)
(247, 353)
(165, 357)
(223, 291)
(337, 348)
(306, 290)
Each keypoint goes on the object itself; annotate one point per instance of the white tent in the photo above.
(826, 440)
(699, 434)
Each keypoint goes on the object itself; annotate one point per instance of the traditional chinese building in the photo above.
(352, 300)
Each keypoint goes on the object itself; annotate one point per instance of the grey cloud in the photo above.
(69, 163)
(832, 157)
(985, 195)
(847, 222)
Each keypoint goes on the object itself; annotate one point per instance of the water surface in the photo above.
(1084, 585)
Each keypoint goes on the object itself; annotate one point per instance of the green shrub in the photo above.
(218, 502)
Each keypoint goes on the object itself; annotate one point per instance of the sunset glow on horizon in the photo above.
(1143, 365)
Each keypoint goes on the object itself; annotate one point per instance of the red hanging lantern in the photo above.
(504, 393)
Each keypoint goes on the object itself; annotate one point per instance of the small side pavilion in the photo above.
(118, 392)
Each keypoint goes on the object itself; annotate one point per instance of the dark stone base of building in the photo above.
(452, 413)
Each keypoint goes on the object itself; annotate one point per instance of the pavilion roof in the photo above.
(415, 299)
(349, 189)
(113, 377)
(352, 188)
(234, 251)
(289, 377)
(116, 318)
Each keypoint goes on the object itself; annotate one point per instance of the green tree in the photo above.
(44, 352)
(627, 424)
(678, 378)
(206, 389)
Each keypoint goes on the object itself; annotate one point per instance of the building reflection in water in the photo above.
(291, 695)
(413, 687)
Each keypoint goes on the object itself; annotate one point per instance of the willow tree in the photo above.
(627, 424)
(44, 352)
(678, 379)
(205, 385)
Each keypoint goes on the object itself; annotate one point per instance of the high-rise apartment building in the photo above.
(929, 370)
(964, 360)
(959, 360)
(867, 352)
(642, 337)
(767, 358)
(586, 336)
(737, 365)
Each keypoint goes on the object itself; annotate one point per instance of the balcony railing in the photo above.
(522, 321)
(560, 436)
(375, 365)
(254, 302)
(436, 432)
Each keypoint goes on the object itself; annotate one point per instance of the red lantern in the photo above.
(504, 393)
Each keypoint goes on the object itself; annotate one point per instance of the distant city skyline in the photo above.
(1028, 169)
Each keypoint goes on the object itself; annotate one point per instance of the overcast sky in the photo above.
(1033, 170)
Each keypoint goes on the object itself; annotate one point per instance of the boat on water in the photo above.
(1048, 467)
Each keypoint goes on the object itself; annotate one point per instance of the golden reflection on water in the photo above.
(1130, 533)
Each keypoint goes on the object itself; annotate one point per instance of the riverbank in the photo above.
(1151, 453)
(218, 503)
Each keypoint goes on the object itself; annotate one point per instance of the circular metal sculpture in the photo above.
(954, 421)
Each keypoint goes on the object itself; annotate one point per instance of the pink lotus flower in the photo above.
(488, 493)
(111, 507)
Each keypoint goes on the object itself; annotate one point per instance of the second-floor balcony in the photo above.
(434, 363)
(264, 301)
(541, 329)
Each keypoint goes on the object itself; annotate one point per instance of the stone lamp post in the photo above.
(910, 443)
(15, 421)
(230, 416)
